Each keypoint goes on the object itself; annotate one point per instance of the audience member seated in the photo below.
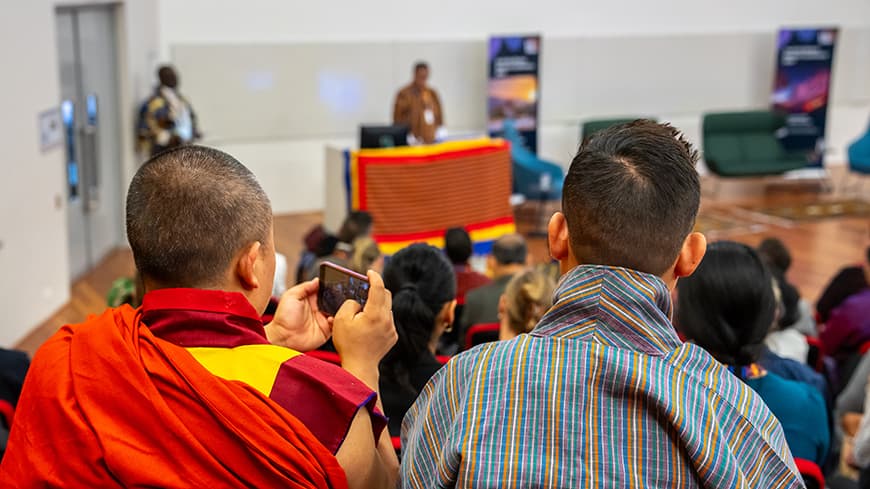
(860, 456)
(847, 328)
(727, 307)
(424, 290)
(602, 393)
(795, 314)
(338, 249)
(525, 300)
(333, 251)
(313, 240)
(509, 257)
(793, 370)
(191, 389)
(850, 402)
(458, 246)
(357, 224)
(366, 255)
(848, 282)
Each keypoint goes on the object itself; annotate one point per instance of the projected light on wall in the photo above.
(260, 81)
(342, 93)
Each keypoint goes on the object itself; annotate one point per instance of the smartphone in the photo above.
(338, 284)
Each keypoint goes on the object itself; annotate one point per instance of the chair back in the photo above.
(481, 333)
(812, 473)
(815, 355)
(859, 154)
(529, 170)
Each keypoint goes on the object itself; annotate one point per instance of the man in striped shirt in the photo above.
(603, 393)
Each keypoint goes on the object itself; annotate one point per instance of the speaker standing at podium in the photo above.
(418, 107)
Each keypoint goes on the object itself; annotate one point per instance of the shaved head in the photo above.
(190, 211)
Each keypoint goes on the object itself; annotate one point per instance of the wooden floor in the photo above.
(819, 248)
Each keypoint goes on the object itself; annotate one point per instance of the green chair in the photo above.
(744, 144)
(590, 127)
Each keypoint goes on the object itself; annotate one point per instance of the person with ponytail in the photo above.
(727, 307)
(525, 300)
(423, 285)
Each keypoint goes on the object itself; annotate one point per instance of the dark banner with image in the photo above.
(802, 88)
(513, 91)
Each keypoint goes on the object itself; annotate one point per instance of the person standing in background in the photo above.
(167, 119)
(418, 107)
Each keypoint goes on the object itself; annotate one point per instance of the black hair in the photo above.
(189, 211)
(167, 76)
(778, 259)
(421, 281)
(631, 196)
(728, 305)
(868, 254)
(356, 225)
(775, 254)
(457, 244)
(326, 246)
(419, 65)
(510, 250)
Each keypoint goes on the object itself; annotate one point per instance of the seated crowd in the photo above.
(640, 356)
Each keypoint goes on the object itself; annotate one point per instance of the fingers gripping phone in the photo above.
(338, 284)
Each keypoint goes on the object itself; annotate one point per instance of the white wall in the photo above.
(33, 257)
(232, 21)
(297, 164)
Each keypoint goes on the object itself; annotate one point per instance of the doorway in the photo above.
(88, 56)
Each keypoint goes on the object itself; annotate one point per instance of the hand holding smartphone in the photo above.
(338, 284)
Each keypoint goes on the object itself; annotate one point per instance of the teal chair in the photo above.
(859, 157)
(534, 178)
(590, 127)
(744, 144)
(859, 154)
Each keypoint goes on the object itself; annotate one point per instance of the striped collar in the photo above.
(612, 306)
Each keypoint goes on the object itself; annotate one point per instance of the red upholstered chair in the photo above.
(326, 356)
(812, 473)
(815, 355)
(442, 359)
(481, 333)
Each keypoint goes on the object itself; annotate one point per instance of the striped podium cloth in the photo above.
(416, 193)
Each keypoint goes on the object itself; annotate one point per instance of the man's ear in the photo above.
(245, 266)
(694, 248)
(557, 237)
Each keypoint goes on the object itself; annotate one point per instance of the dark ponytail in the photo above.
(728, 305)
(421, 280)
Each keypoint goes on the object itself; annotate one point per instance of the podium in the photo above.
(416, 193)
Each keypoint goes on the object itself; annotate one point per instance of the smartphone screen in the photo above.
(338, 284)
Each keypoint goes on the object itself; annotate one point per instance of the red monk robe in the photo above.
(106, 404)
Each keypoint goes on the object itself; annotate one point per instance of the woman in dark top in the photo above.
(727, 307)
(423, 285)
(848, 282)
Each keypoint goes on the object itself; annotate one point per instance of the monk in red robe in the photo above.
(191, 389)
